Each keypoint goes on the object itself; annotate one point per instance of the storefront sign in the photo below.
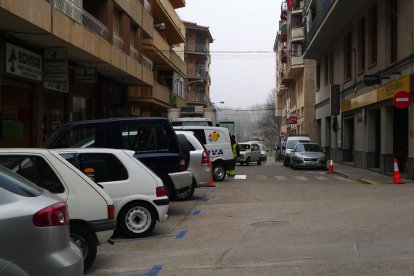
(56, 69)
(372, 79)
(293, 120)
(360, 101)
(85, 74)
(23, 63)
(402, 99)
(388, 91)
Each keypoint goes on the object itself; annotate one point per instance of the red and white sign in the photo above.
(402, 99)
(293, 120)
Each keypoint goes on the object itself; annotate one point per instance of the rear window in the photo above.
(312, 147)
(102, 167)
(16, 184)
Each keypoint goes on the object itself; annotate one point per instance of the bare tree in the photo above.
(268, 122)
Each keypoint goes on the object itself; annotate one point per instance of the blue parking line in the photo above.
(181, 235)
(212, 190)
(204, 199)
(153, 272)
(196, 212)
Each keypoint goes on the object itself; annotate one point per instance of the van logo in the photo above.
(215, 152)
(213, 137)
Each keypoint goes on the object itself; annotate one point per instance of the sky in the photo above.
(243, 65)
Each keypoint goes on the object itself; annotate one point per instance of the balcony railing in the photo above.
(147, 6)
(325, 8)
(147, 63)
(297, 33)
(134, 53)
(81, 16)
(118, 41)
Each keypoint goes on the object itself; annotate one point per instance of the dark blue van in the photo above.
(153, 140)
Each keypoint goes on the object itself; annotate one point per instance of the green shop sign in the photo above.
(23, 63)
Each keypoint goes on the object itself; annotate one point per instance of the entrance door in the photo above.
(377, 138)
(401, 137)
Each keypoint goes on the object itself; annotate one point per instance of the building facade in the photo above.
(295, 75)
(65, 60)
(364, 55)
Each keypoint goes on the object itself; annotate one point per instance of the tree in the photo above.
(268, 122)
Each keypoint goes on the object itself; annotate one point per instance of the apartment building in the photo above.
(364, 55)
(197, 81)
(295, 97)
(65, 60)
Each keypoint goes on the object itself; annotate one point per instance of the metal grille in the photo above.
(81, 16)
(118, 41)
(146, 62)
(134, 53)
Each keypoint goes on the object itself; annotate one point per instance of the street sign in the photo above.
(293, 120)
(402, 99)
(372, 79)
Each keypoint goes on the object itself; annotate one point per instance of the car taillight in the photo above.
(54, 215)
(205, 159)
(182, 165)
(160, 191)
(111, 212)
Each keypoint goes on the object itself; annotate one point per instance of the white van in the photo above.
(217, 142)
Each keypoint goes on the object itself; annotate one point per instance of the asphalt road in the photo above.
(276, 221)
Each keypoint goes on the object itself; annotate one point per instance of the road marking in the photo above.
(212, 190)
(261, 177)
(280, 177)
(181, 235)
(321, 178)
(204, 199)
(196, 212)
(341, 178)
(240, 176)
(153, 271)
(301, 178)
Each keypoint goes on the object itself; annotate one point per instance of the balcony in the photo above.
(197, 73)
(118, 41)
(199, 49)
(283, 57)
(164, 12)
(160, 52)
(133, 52)
(297, 34)
(158, 95)
(81, 16)
(198, 97)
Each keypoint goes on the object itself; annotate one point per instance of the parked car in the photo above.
(91, 210)
(34, 230)
(290, 143)
(152, 139)
(307, 155)
(192, 121)
(138, 193)
(263, 153)
(217, 142)
(249, 152)
(199, 162)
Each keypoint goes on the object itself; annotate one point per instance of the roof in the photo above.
(196, 27)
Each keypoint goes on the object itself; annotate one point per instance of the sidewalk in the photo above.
(365, 176)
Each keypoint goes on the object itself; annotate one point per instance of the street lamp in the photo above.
(188, 83)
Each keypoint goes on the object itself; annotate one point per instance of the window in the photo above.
(85, 137)
(373, 31)
(361, 45)
(348, 57)
(318, 76)
(326, 69)
(102, 167)
(147, 137)
(393, 30)
(35, 169)
(300, 148)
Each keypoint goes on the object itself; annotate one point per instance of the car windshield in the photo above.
(312, 147)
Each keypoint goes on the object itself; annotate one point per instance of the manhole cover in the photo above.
(271, 223)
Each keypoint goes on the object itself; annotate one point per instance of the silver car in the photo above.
(34, 231)
(307, 155)
(199, 162)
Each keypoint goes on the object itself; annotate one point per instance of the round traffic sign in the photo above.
(402, 99)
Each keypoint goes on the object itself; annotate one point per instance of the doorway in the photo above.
(377, 138)
(400, 130)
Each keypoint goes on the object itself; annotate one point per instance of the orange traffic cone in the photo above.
(331, 169)
(211, 176)
(397, 177)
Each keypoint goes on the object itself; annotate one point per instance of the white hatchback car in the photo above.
(138, 193)
(91, 210)
(199, 162)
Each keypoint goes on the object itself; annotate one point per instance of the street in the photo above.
(277, 221)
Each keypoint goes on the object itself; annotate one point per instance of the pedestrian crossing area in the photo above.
(294, 178)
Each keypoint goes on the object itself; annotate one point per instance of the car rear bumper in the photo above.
(103, 229)
(181, 180)
(203, 176)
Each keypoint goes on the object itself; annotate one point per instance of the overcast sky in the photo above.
(243, 63)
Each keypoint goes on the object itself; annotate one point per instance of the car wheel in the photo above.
(259, 162)
(219, 172)
(136, 219)
(248, 161)
(187, 193)
(292, 165)
(285, 162)
(85, 241)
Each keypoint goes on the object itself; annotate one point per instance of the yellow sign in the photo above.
(360, 101)
(388, 91)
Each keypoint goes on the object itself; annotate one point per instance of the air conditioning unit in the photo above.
(296, 50)
(197, 109)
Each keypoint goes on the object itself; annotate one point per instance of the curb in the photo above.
(367, 181)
